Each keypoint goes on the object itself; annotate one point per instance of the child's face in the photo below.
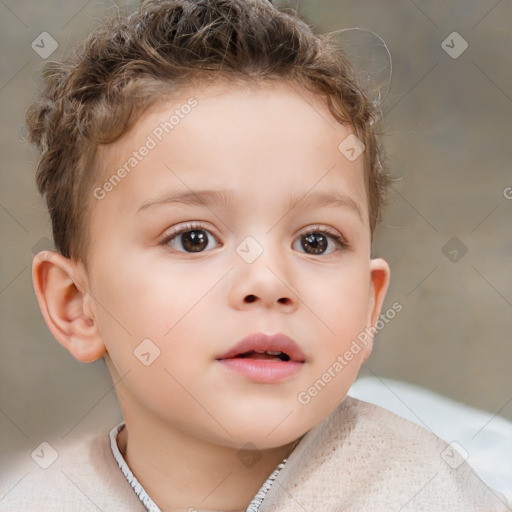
(195, 298)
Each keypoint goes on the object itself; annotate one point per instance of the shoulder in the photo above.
(412, 458)
(71, 474)
(383, 431)
(365, 458)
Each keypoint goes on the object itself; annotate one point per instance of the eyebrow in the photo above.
(227, 198)
(192, 198)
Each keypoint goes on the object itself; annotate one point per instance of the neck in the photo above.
(181, 472)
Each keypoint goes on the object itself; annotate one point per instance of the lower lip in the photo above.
(261, 370)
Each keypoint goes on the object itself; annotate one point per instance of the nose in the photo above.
(264, 282)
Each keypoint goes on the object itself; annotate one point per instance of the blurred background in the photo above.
(446, 231)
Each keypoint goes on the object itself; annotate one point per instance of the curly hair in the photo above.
(131, 62)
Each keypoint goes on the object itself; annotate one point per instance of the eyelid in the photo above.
(183, 228)
(336, 234)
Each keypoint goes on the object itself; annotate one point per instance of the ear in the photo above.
(60, 287)
(379, 282)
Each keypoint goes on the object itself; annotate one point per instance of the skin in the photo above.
(186, 416)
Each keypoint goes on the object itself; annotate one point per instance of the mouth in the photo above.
(267, 355)
(277, 347)
(264, 359)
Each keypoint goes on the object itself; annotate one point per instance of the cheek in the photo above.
(340, 295)
(154, 325)
(341, 321)
(340, 314)
(161, 303)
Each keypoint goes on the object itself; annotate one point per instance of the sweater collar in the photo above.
(144, 497)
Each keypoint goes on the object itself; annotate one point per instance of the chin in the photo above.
(263, 431)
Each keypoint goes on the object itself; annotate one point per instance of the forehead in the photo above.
(235, 138)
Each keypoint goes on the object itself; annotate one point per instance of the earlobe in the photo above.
(59, 288)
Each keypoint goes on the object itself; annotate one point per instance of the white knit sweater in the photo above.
(360, 458)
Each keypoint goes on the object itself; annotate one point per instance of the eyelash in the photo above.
(187, 227)
(338, 239)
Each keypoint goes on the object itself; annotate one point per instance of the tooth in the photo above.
(259, 351)
(273, 352)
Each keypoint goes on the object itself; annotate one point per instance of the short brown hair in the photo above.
(132, 61)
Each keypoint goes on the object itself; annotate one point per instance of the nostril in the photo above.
(252, 298)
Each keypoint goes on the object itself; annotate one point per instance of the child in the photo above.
(213, 178)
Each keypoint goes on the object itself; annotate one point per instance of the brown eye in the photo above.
(194, 241)
(321, 242)
(190, 239)
(314, 243)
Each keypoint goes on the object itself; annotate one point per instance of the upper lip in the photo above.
(263, 342)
